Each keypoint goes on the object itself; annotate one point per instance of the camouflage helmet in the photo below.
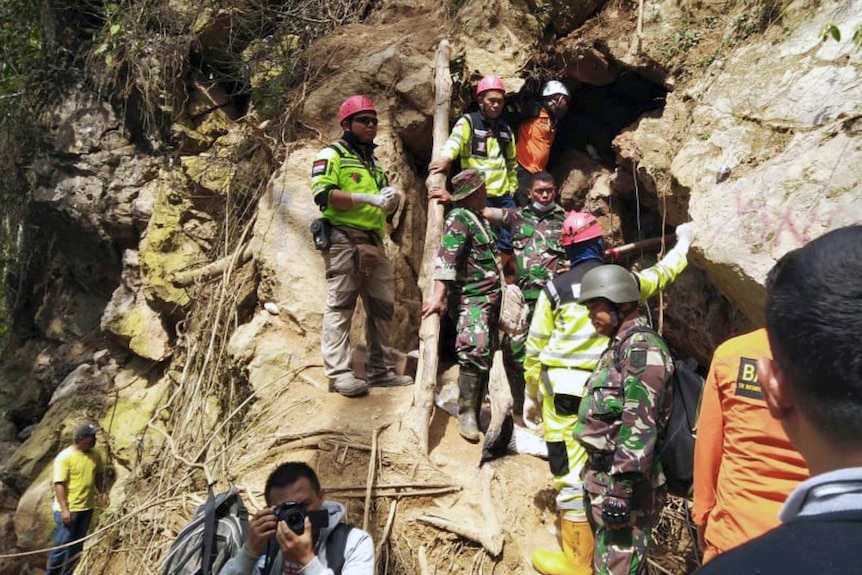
(466, 182)
(611, 282)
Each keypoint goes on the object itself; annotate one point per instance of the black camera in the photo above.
(294, 515)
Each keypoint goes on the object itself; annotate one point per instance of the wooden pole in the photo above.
(429, 331)
(647, 244)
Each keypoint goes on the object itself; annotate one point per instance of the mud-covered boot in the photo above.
(469, 384)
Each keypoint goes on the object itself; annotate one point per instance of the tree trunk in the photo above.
(429, 331)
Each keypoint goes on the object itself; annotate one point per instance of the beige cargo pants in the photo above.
(345, 281)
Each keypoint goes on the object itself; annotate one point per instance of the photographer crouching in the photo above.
(300, 533)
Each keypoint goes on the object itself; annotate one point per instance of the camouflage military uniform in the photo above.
(618, 424)
(468, 260)
(536, 241)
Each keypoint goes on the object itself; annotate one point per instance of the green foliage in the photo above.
(680, 42)
(831, 31)
(21, 51)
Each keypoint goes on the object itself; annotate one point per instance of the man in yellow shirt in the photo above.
(78, 475)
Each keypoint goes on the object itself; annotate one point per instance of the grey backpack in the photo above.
(216, 533)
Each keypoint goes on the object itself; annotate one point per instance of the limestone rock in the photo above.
(34, 519)
(291, 271)
(773, 201)
(165, 248)
(80, 122)
(258, 346)
(129, 317)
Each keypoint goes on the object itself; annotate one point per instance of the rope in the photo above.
(640, 231)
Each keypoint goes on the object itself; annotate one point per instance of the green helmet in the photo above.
(614, 283)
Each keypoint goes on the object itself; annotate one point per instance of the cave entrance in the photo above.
(585, 164)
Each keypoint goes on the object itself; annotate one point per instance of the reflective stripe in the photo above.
(574, 336)
(567, 381)
(571, 357)
(553, 294)
(546, 383)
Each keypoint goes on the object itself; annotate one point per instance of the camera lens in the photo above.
(295, 519)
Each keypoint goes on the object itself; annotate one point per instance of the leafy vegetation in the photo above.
(680, 42)
(833, 32)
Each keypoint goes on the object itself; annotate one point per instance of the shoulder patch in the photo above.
(746, 379)
(638, 358)
(319, 167)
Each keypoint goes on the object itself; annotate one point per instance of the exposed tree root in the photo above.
(490, 535)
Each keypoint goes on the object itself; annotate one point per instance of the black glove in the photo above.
(616, 512)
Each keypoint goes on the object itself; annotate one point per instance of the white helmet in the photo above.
(553, 87)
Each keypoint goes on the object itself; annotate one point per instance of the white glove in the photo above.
(376, 200)
(685, 234)
(532, 412)
(392, 197)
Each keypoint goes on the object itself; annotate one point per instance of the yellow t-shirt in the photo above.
(78, 469)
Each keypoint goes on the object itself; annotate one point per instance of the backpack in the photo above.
(216, 533)
(675, 447)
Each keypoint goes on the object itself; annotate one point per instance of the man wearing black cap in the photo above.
(78, 474)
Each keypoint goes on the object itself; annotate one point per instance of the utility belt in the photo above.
(600, 461)
(359, 237)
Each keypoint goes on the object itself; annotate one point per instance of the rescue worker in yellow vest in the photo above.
(482, 140)
(563, 348)
(352, 190)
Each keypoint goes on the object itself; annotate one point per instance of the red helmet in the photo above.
(489, 83)
(354, 105)
(580, 227)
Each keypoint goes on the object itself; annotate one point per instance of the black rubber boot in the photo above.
(469, 385)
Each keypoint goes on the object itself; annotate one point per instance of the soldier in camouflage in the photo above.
(626, 406)
(535, 230)
(467, 272)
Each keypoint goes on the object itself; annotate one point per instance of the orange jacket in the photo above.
(534, 141)
(744, 465)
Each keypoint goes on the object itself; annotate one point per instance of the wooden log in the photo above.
(429, 331)
(185, 278)
(647, 244)
(501, 427)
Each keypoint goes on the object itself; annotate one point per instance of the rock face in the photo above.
(781, 118)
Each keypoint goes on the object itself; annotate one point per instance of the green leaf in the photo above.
(109, 58)
(857, 37)
(830, 30)
(102, 48)
(114, 29)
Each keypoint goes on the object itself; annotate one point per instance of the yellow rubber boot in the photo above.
(577, 555)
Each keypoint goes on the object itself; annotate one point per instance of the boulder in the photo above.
(788, 133)
(129, 317)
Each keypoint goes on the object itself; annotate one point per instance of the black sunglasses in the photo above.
(365, 120)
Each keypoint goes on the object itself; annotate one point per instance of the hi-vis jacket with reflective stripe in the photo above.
(561, 334)
(489, 150)
(338, 166)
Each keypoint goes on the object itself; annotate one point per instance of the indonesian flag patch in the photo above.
(319, 168)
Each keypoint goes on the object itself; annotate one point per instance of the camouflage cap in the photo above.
(466, 182)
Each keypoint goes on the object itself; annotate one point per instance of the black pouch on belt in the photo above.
(320, 230)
